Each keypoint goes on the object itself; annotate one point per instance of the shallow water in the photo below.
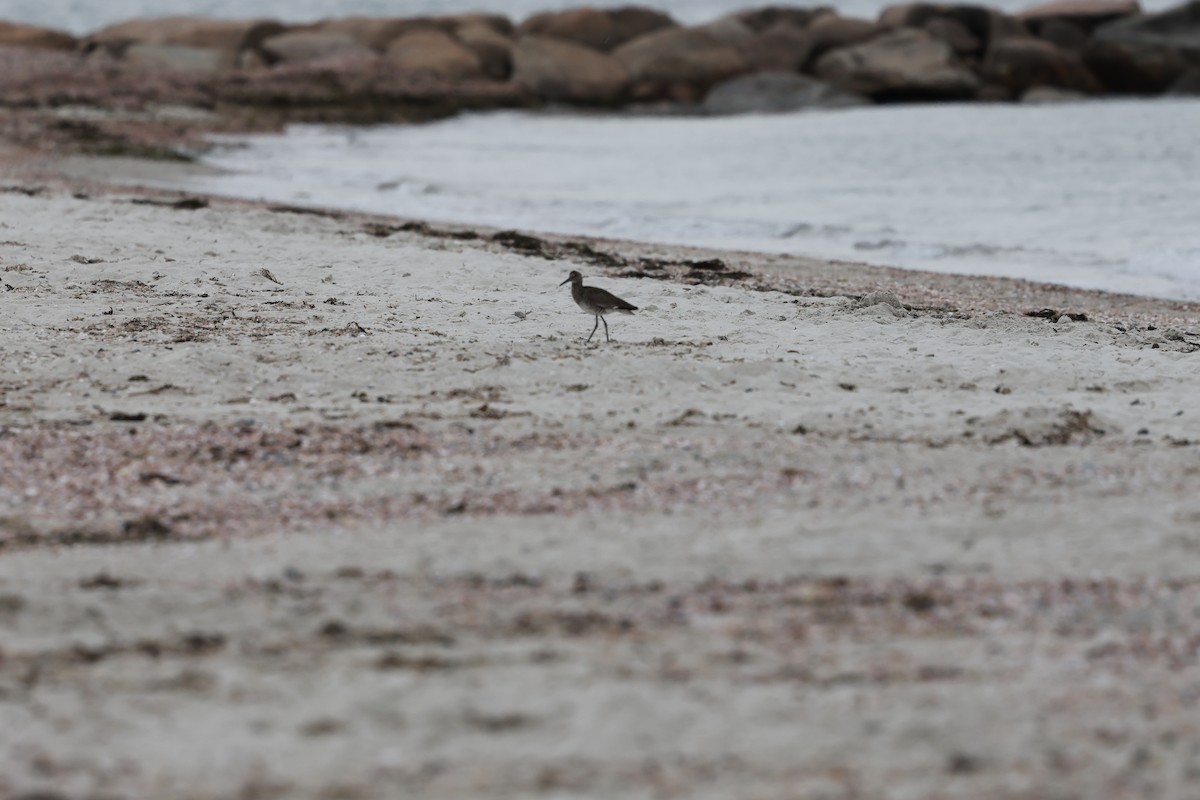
(1100, 195)
(82, 16)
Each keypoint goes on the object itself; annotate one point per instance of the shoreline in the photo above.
(923, 234)
(338, 505)
(792, 273)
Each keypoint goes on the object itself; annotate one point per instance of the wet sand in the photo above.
(316, 505)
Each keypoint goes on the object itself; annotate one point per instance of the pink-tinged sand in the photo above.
(359, 529)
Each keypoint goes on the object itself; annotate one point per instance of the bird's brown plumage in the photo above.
(596, 301)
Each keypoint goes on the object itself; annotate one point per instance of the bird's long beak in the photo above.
(568, 280)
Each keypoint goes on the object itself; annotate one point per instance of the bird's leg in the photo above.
(593, 333)
(602, 319)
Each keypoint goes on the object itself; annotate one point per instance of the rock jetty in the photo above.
(366, 69)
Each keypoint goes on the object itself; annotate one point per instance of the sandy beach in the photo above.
(325, 505)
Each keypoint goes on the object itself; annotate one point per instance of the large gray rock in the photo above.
(985, 24)
(432, 52)
(600, 29)
(375, 32)
(1133, 68)
(1002, 26)
(493, 48)
(155, 30)
(1178, 28)
(1088, 13)
(1021, 64)
(956, 34)
(830, 32)
(1188, 84)
(300, 46)
(905, 64)
(566, 71)
(731, 31)
(1068, 24)
(774, 93)
(679, 56)
(232, 37)
(763, 19)
(1063, 33)
(177, 58)
(635, 21)
(908, 15)
(378, 33)
(1146, 54)
(497, 22)
(15, 34)
(783, 48)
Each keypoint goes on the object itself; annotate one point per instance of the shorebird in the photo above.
(596, 301)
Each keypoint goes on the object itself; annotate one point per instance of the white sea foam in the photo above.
(1101, 195)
